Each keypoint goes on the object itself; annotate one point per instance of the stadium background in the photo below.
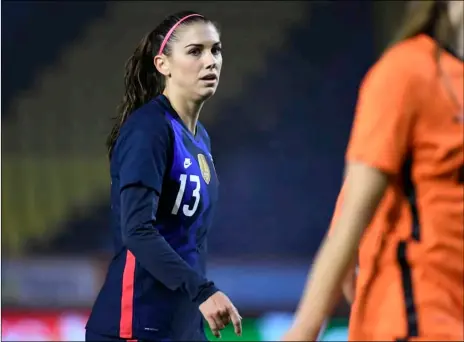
(279, 124)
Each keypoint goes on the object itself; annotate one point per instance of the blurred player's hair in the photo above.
(430, 17)
(142, 81)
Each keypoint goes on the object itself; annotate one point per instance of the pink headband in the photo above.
(166, 38)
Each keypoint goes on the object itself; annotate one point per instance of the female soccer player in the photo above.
(163, 192)
(402, 212)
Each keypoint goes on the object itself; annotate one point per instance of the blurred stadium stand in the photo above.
(30, 35)
(279, 124)
(63, 149)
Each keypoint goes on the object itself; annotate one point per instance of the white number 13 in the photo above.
(196, 194)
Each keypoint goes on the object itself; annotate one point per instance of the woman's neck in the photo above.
(459, 40)
(188, 111)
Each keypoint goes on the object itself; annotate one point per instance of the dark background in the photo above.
(279, 124)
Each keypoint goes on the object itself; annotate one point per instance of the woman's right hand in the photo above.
(219, 311)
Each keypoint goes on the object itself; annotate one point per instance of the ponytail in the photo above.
(142, 82)
(419, 18)
(428, 17)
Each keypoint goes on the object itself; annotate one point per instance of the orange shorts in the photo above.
(399, 303)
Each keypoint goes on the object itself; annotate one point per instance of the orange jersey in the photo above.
(409, 124)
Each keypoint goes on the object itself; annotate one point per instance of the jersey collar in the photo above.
(166, 104)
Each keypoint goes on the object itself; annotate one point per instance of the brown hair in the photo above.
(142, 81)
(430, 17)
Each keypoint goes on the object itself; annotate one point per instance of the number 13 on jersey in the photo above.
(180, 195)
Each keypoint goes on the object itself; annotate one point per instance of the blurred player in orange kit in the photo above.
(401, 218)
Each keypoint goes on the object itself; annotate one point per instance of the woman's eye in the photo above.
(195, 52)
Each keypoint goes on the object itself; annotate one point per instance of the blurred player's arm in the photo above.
(364, 189)
(349, 281)
(378, 145)
(142, 155)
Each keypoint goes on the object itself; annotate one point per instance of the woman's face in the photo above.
(195, 61)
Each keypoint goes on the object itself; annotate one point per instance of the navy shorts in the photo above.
(95, 337)
(92, 336)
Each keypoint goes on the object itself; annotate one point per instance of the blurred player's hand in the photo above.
(349, 285)
(297, 333)
(219, 311)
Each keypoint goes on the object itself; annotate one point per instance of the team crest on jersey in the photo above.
(205, 171)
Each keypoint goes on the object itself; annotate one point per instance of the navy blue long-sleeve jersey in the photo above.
(163, 194)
